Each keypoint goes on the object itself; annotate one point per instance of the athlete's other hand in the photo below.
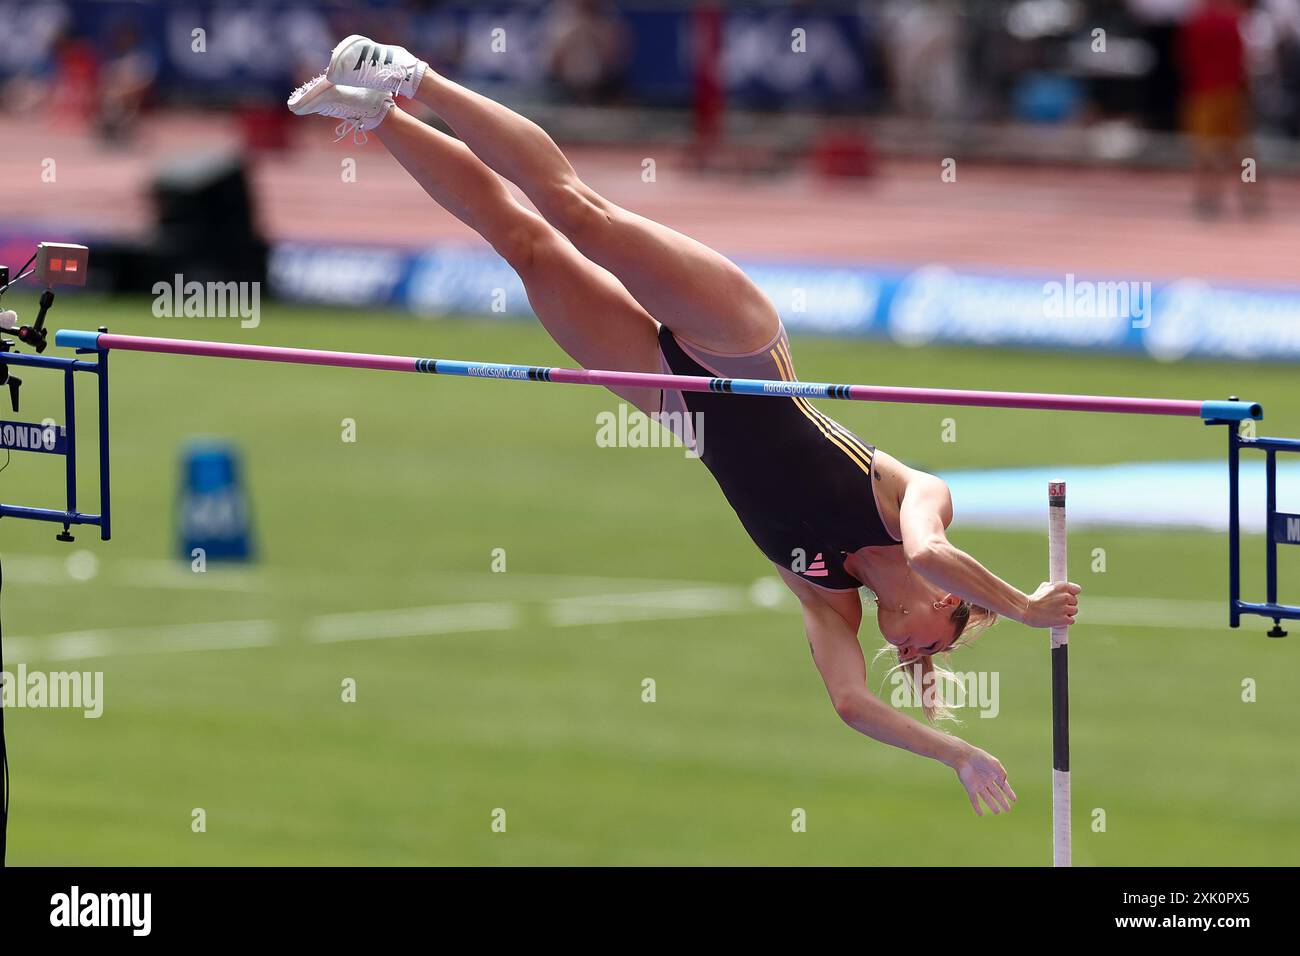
(984, 777)
(1053, 605)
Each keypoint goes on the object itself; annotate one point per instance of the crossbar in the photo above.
(1208, 410)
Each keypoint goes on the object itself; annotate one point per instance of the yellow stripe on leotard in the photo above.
(848, 443)
(843, 432)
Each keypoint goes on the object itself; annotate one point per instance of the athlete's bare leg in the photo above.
(585, 309)
(687, 286)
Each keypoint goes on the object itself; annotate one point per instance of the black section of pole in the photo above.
(1061, 707)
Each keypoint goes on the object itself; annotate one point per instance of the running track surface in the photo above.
(1040, 219)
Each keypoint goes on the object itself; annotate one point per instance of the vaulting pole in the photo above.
(1060, 682)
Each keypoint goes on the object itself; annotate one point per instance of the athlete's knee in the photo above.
(523, 241)
(575, 209)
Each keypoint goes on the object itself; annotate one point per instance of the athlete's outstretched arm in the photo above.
(923, 516)
(838, 656)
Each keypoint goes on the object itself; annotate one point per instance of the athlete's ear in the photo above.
(948, 600)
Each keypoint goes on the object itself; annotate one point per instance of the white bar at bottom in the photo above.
(1061, 818)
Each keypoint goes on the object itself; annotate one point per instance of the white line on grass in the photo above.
(647, 605)
(162, 639)
(413, 622)
(545, 585)
(146, 574)
(1152, 612)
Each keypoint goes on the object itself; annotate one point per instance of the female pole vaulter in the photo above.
(618, 291)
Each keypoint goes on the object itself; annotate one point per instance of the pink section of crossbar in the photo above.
(1067, 403)
(262, 353)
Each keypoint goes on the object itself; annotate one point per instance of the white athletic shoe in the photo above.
(360, 61)
(360, 110)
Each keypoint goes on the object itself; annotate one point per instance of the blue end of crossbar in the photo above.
(1230, 411)
(72, 339)
(49, 514)
(1287, 611)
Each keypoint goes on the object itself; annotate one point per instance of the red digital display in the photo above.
(61, 263)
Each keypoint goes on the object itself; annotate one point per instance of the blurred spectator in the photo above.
(1158, 22)
(586, 50)
(1212, 61)
(1288, 72)
(923, 46)
(125, 80)
(1272, 36)
(68, 87)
